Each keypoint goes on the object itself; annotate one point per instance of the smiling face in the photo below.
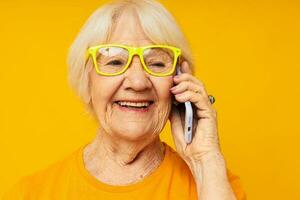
(109, 93)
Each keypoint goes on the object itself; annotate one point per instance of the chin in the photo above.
(132, 133)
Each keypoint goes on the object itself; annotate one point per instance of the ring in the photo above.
(211, 99)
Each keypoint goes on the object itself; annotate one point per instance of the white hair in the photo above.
(157, 23)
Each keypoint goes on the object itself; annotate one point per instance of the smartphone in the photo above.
(188, 122)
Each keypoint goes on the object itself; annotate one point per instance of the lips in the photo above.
(134, 103)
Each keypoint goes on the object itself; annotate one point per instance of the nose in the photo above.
(136, 77)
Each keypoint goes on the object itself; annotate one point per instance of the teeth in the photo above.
(133, 104)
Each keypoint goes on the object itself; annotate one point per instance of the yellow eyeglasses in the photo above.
(114, 59)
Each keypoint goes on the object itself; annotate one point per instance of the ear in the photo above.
(185, 68)
(87, 84)
(185, 65)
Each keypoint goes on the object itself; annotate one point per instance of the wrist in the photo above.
(211, 162)
(210, 175)
(211, 157)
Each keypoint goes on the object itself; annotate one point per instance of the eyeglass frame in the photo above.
(91, 51)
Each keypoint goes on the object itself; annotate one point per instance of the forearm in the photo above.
(211, 178)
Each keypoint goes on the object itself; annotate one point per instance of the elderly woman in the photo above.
(123, 65)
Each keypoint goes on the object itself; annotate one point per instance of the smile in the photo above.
(143, 106)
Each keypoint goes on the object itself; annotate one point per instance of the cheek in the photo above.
(164, 96)
(163, 89)
(102, 91)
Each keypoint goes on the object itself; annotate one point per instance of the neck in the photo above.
(118, 162)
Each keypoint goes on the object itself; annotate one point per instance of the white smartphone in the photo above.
(188, 122)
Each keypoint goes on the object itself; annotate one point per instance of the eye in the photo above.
(115, 62)
(158, 64)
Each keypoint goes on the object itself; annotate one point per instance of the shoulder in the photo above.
(39, 180)
(53, 171)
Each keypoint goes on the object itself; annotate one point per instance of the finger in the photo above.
(185, 85)
(201, 102)
(187, 77)
(211, 113)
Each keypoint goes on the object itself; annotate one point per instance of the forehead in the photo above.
(128, 31)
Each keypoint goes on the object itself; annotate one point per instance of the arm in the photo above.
(211, 177)
(203, 155)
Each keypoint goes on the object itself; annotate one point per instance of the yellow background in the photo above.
(247, 54)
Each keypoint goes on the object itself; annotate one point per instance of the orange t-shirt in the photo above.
(68, 179)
